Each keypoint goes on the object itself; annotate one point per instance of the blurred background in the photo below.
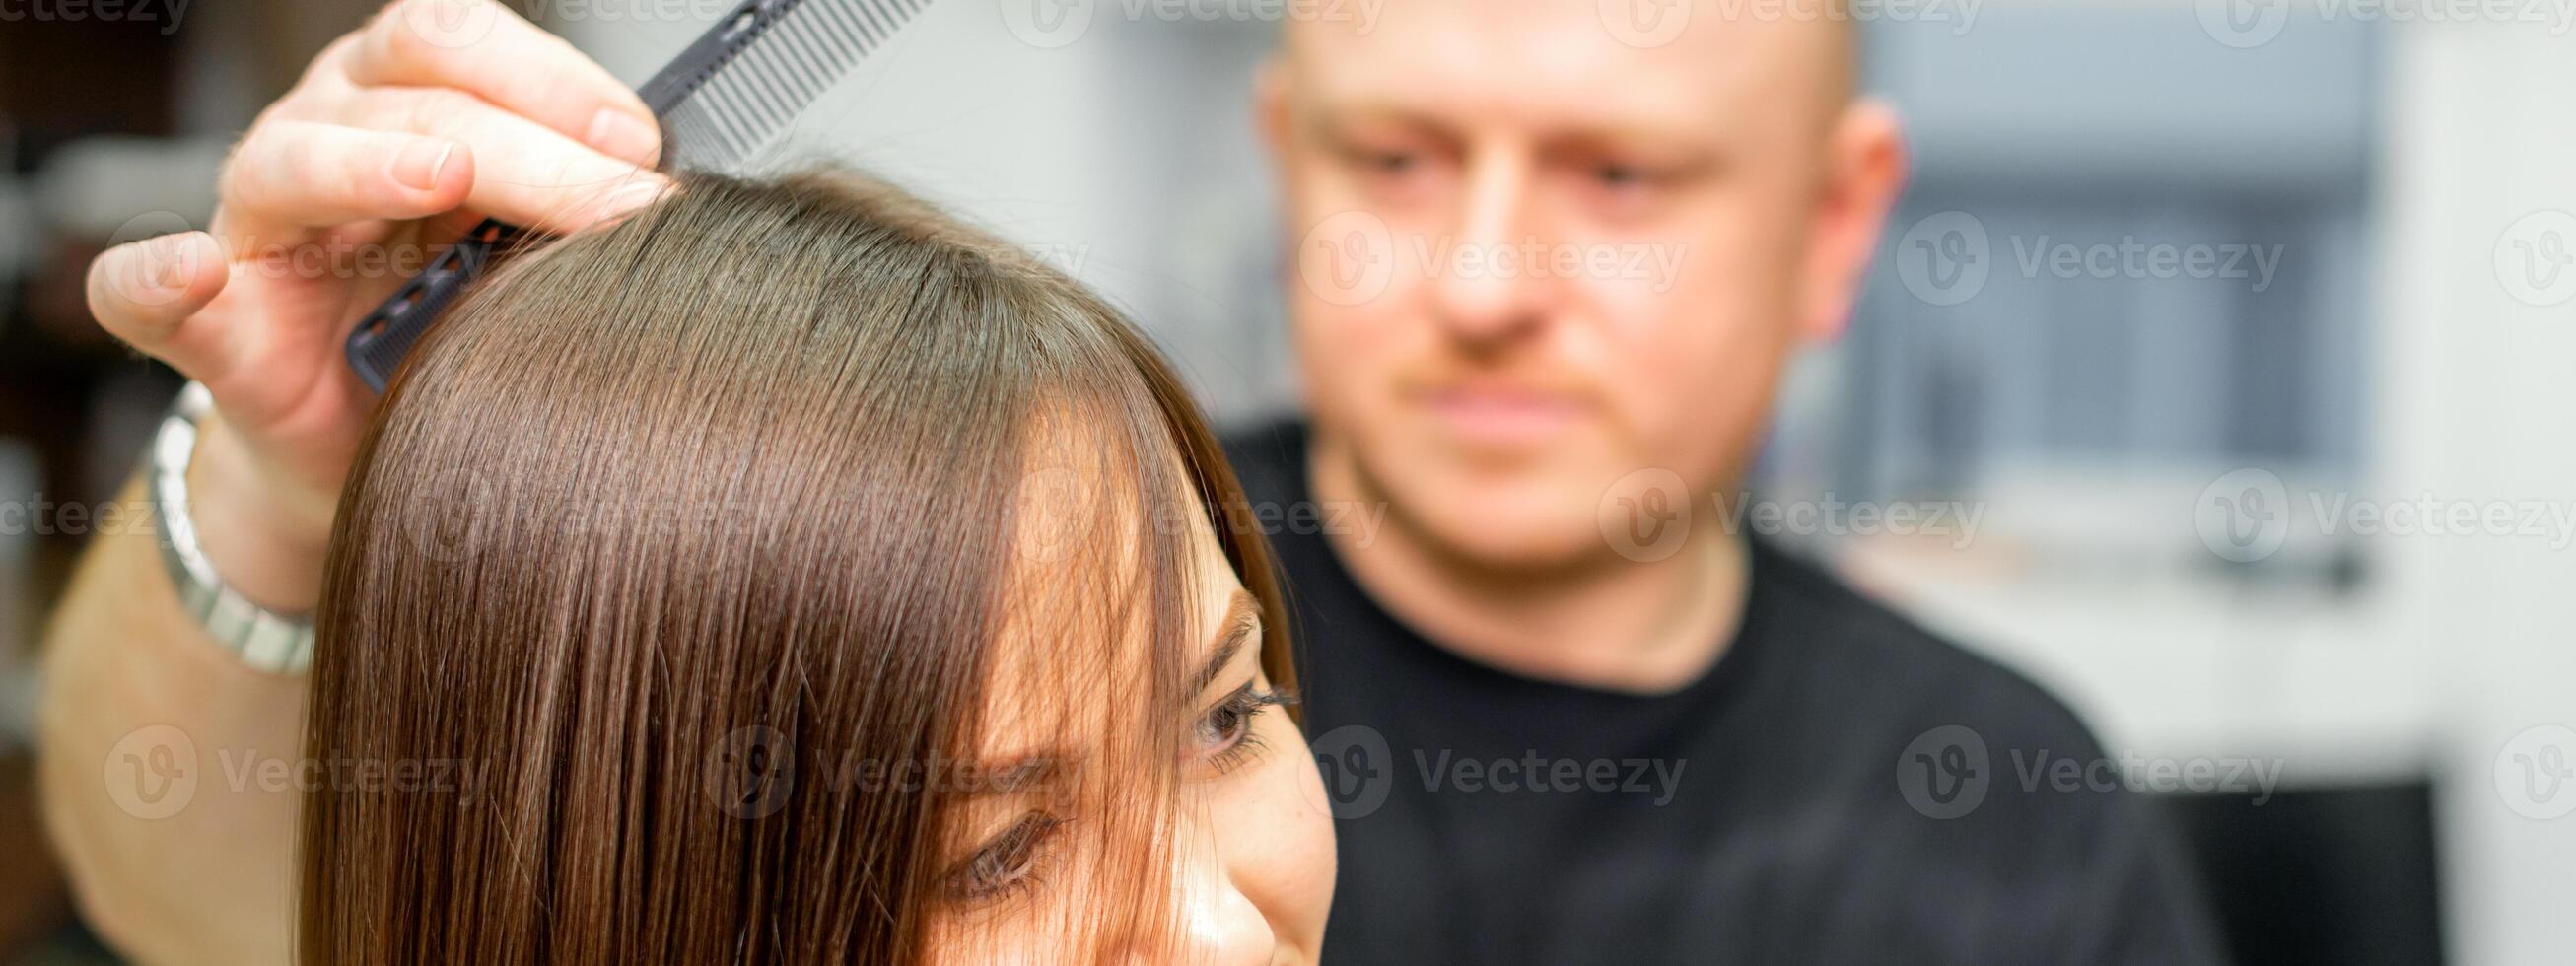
(2222, 316)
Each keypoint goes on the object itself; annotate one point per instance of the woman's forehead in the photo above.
(1080, 607)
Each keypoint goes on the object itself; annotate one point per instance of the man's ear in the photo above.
(1270, 84)
(1866, 167)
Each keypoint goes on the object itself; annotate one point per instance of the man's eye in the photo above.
(1625, 177)
(1007, 865)
(1389, 162)
(1387, 165)
(1224, 737)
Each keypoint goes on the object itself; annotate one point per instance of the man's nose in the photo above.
(1488, 282)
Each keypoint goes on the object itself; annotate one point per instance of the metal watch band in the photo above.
(265, 640)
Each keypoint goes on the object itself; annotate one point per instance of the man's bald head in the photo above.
(1547, 243)
(1806, 49)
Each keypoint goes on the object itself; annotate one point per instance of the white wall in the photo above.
(1120, 153)
(2480, 404)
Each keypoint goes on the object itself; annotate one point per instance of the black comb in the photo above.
(727, 96)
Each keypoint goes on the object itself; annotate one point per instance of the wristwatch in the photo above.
(263, 639)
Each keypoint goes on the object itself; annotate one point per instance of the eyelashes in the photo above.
(1224, 738)
(1006, 866)
(1013, 863)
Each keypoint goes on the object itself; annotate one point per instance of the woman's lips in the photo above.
(1501, 415)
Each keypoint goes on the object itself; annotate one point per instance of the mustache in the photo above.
(1550, 385)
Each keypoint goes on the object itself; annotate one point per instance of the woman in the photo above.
(787, 575)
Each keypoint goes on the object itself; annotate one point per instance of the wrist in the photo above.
(265, 537)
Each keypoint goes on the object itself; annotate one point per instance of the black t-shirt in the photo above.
(1840, 787)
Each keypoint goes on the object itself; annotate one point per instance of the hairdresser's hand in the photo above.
(400, 135)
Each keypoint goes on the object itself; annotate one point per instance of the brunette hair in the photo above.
(675, 529)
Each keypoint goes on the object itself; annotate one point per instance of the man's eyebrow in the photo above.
(1685, 152)
(1334, 120)
(1241, 623)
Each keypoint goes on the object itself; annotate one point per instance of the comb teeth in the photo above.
(800, 48)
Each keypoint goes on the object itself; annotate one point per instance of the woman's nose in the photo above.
(1222, 926)
(1216, 924)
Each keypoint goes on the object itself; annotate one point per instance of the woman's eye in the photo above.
(1006, 865)
(1224, 737)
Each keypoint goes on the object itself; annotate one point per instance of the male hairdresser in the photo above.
(1552, 257)
(1552, 260)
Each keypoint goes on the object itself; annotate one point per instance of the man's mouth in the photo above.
(1501, 414)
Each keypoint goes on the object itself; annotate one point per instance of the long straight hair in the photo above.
(686, 552)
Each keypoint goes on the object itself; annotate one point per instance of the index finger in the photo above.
(486, 49)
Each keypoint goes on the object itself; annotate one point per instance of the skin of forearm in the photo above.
(127, 674)
(267, 540)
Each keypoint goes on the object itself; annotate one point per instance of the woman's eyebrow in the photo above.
(1242, 623)
(1240, 627)
(1015, 775)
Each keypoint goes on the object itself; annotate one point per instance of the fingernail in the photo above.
(419, 165)
(169, 263)
(625, 201)
(158, 270)
(620, 135)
